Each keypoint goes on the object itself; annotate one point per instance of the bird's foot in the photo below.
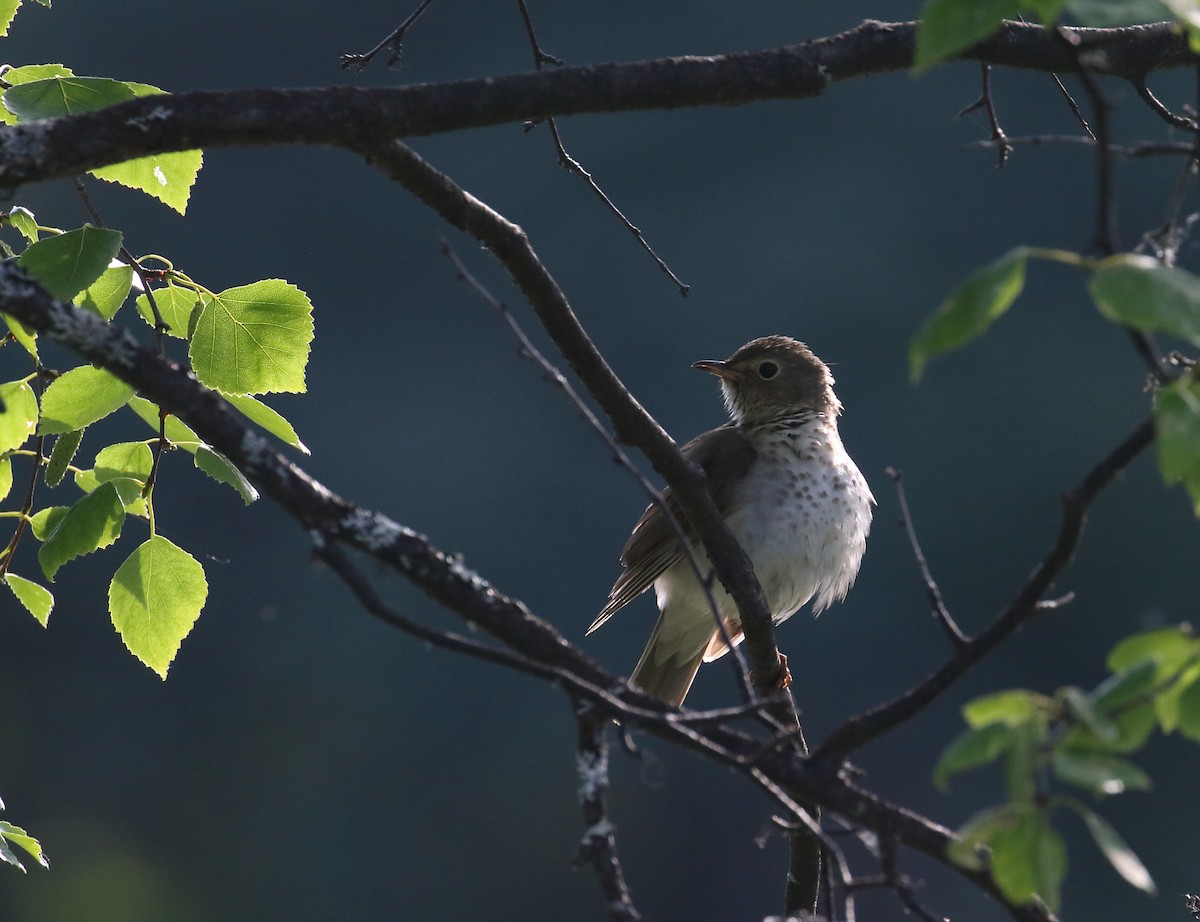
(784, 679)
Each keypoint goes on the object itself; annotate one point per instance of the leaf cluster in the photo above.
(1073, 738)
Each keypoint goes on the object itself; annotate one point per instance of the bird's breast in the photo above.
(802, 516)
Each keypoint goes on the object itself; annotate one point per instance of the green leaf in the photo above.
(19, 417)
(22, 218)
(974, 834)
(1103, 775)
(80, 397)
(1085, 712)
(8, 10)
(44, 522)
(968, 312)
(124, 459)
(1115, 849)
(221, 469)
(261, 414)
(253, 339)
(1134, 726)
(1023, 762)
(1189, 711)
(166, 177)
(1047, 11)
(174, 305)
(22, 334)
(177, 431)
(1186, 11)
(68, 263)
(1108, 13)
(106, 295)
(37, 599)
(154, 599)
(1176, 653)
(27, 74)
(1124, 686)
(59, 95)
(5, 476)
(1140, 292)
(63, 453)
(92, 523)
(1177, 427)
(1011, 707)
(1169, 647)
(950, 26)
(973, 747)
(1029, 859)
(19, 837)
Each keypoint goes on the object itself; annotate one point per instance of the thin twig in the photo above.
(1127, 152)
(999, 139)
(541, 57)
(394, 41)
(1171, 118)
(940, 612)
(1075, 110)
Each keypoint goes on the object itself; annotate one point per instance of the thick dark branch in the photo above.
(352, 117)
(866, 727)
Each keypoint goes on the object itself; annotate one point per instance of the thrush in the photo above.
(793, 498)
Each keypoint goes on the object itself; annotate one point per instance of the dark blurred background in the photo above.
(303, 762)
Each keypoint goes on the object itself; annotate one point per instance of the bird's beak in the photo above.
(720, 369)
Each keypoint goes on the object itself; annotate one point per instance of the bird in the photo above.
(791, 495)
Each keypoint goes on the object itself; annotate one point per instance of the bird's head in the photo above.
(773, 376)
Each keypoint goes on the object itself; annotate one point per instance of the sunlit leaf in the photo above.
(19, 417)
(106, 295)
(36, 599)
(178, 433)
(222, 470)
(124, 459)
(61, 455)
(968, 312)
(154, 599)
(68, 263)
(270, 420)
(43, 523)
(19, 837)
(175, 305)
(253, 339)
(80, 397)
(26, 337)
(92, 523)
(6, 480)
(1189, 711)
(22, 218)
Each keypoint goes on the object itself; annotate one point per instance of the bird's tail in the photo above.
(662, 675)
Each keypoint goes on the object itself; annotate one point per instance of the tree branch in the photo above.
(352, 117)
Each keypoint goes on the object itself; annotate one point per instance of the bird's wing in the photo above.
(653, 547)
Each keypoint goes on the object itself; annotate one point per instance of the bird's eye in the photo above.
(768, 370)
